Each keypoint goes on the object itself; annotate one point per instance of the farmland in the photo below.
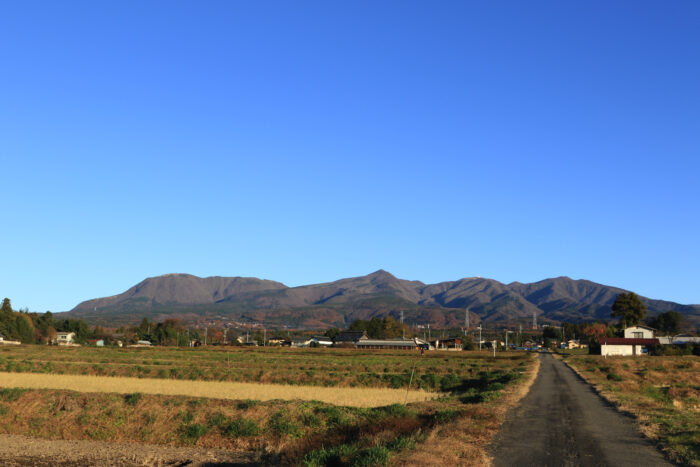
(663, 393)
(468, 394)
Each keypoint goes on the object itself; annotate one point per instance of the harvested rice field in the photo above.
(275, 405)
(353, 397)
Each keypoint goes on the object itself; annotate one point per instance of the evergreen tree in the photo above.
(629, 308)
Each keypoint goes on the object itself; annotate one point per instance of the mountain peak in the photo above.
(381, 274)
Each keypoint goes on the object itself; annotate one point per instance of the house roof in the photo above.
(402, 343)
(350, 336)
(626, 341)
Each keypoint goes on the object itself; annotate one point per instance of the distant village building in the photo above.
(65, 338)
(140, 344)
(278, 340)
(390, 344)
(679, 340)
(572, 344)
(324, 341)
(350, 337)
(453, 343)
(301, 342)
(3, 341)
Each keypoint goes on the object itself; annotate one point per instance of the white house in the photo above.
(65, 338)
(639, 332)
(610, 346)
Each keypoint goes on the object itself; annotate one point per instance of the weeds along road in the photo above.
(563, 422)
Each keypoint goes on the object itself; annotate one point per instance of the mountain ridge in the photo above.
(379, 293)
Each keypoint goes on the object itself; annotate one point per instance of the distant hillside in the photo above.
(338, 303)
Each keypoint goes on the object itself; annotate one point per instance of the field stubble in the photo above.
(463, 398)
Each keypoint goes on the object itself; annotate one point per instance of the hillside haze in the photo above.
(338, 303)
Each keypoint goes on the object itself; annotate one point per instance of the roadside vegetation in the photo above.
(663, 393)
(472, 393)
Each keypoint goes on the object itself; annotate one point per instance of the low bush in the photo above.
(11, 394)
(377, 455)
(241, 428)
(191, 433)
(281, 425)
(132, 399)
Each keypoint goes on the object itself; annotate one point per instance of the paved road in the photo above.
(563, 422)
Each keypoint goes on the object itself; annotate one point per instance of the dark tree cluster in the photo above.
(380, 328)
(34, 328)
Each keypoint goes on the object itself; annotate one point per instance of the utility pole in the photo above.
(205, 334)
(403, 328)
(466, 319)
(225, 332)
(264, 337)
(534, 320)
(480, 337)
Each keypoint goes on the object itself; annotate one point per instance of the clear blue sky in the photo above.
(309, 141)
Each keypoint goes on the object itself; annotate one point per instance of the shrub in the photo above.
(446, 415)
(186, 416)
(335, 416)
(132, 399)
(11, 394)
(377, 455)
(401, 443)
(614, 377)
(191, 433)
(394, 410)
(3, 409)
(247, 404)
(241, 427)
(217, 420)
(281, 425)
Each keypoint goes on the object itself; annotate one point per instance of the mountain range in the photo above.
(338, 303)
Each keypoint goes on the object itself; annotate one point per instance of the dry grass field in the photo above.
(663, 393)
(333, 407)
(353, 397)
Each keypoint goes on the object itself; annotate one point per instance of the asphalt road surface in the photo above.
(563, 422)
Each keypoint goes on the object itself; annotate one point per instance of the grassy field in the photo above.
(663, 393)
(436, 371)
(469, 394)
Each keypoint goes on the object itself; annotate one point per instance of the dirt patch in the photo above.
(18, 450)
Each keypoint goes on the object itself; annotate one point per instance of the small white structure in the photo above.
(639, 332)
(301, 342)
(140, 344)
(6, 342)
(65, 338)
(322, 340)
(611, 346)
(679, 339)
